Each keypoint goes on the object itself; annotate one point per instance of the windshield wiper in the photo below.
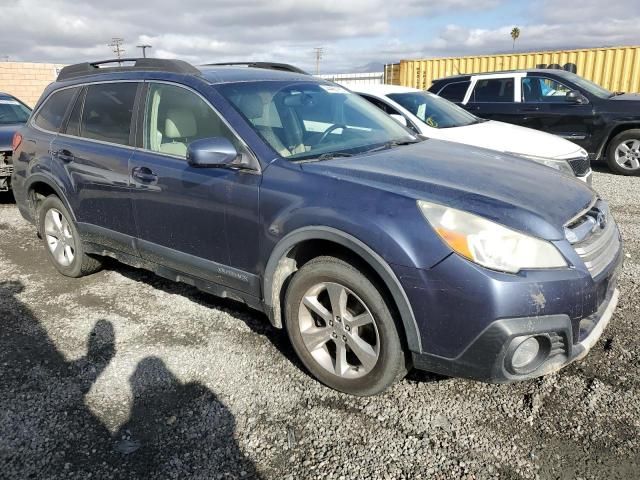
(392, 144)
(324, 156)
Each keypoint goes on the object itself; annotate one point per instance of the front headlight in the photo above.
(488, 243)
(555, 163)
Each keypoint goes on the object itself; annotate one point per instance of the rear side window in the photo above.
(454, 92)
(51, 114)
(108, 111)
(493, 90)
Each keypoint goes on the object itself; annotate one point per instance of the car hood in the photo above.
(626, 96)
(6, 135)
(515, 192)
(505, 137)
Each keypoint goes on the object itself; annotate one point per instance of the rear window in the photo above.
(51, 114)
(493, 90)
(107, 112)
(454, 92)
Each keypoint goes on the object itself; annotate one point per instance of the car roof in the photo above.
(467, 76)
(229, 74)
(379, 89)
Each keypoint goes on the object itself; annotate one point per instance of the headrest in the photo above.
(180, 123)
(251, 105)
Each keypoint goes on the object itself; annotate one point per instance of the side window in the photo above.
(175, 117)
(455, 92)
(51, 114)
(107, 113)
(73, 124)
(543, 89)
(493, 90)
(381, 105)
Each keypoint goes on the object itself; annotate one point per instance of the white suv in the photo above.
(435, 117)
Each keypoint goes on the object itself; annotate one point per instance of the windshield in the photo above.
(435, 111)
(307, 120)
(588, 85)
(12, 111)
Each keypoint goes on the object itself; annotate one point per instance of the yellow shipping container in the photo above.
(615, 68)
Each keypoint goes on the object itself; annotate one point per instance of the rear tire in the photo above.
(342, 329)
(623, 153)
(62, 241)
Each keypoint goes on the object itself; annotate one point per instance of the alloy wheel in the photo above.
(627, 154)
(338, 330)
(59, 237)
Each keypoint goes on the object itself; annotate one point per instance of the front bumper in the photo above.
(488, 357)
(472, 319)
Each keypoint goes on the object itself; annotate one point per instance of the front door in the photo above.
(181, 211)
(545, 107)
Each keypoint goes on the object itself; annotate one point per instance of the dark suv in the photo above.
(606, 124)
(376, 250)
(13, 114)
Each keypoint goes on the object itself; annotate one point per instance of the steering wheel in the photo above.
(326, 133)
(431, 121)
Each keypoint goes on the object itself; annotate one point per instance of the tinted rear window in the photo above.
(107, 113)
(454, 92)
(493, 90)
(51, 115)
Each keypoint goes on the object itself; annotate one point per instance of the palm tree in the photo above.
(515, 33)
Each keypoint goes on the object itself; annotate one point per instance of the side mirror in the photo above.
(400, 119)
(211, 152)
(574, 96)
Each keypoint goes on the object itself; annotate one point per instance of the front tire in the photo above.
(62, 241)
(623, 153)
(342, 329)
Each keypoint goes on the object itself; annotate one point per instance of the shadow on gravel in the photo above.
(255, 320)
(174, 430)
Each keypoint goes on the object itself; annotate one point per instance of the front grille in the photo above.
(595, 238)
(580, 165)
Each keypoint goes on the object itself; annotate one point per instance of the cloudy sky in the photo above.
(353, 33)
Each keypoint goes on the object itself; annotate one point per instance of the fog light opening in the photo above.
(528, 353)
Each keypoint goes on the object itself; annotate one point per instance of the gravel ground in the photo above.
(125, 375)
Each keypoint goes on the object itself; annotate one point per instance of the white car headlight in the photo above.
(488, 243)
(555, 163)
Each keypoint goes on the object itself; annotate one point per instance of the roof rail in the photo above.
(284, 67)
(149, 64)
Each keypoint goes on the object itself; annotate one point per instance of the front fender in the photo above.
(273, 281)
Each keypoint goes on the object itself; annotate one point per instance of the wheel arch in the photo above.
(613, 133)
(282, 265)
(40, 185)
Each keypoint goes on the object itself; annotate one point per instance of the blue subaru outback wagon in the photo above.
(378, 251)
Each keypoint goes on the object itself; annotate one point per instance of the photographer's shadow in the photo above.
(46, 429)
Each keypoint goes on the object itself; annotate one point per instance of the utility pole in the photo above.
(318, 52)
(116, 44)
(144, 49)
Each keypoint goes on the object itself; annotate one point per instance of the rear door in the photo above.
(185, 215)
(494, 98)
(94, 147)
(544, 107)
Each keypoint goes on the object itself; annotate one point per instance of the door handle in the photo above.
(64, 155)
(530, 109)
(144, 174)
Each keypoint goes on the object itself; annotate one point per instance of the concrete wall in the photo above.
(27, 80)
